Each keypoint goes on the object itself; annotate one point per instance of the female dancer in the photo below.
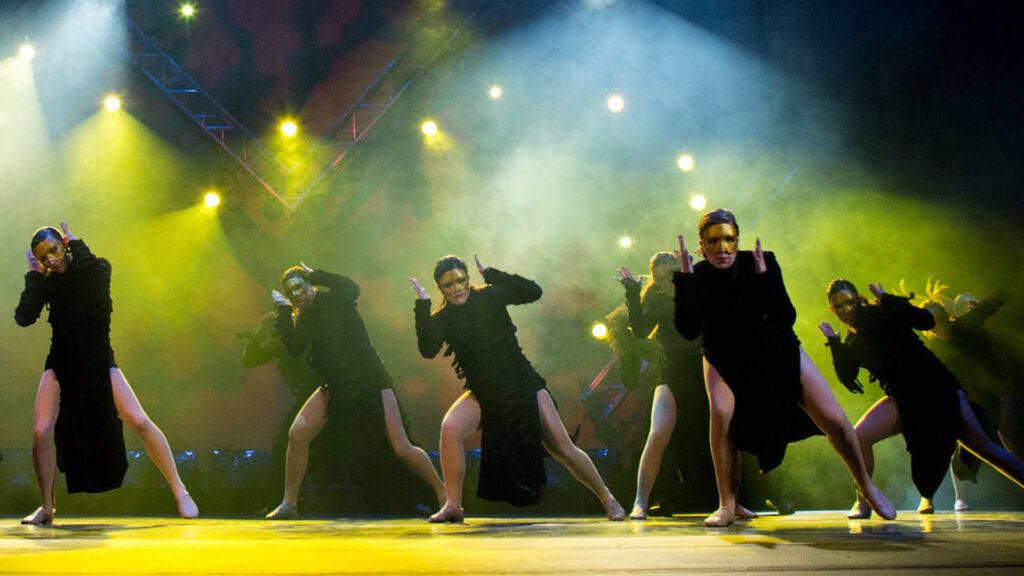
(757, 374)
(923, 399)
(651, 310)
(82, 392)
(505, 397)
(355, 388)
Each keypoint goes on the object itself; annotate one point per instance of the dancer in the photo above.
(83, 396)
(681, 384)
(923, 400)
(765, 392)
(505, 398)
(355, 388)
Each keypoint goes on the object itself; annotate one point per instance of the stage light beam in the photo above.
(495, 92)
(698, 202)
(187, 11)
(211, 199)
(26, 52)
(686, 163)
(289, 128)
(112, 103)
(616, 103)
(625, 242)
(429, 128)
(599, 330)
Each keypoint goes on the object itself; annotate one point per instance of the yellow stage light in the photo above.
(625, 242)
(188, 10)
(495, 92)
(429, 128)
(211, 199)
(616, 103)
(698, 202)
(289, 128)
(27, 51)
(599, 331)
(112, 103)
(685, 163)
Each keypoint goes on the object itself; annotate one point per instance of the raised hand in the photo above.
(33, 264)
(304, 267)
(876, 289)
(421, 292)
(759, 266)
(684, 257)
(67, 235)
(623, 274)
(279, 298)
(827, 330)
(479, 265)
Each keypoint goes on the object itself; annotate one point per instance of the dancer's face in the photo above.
(719, 244)
(844, 304)
(299, 292)
(52, 254)
(663, 272)
(454, 285)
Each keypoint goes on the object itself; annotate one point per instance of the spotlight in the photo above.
(616, 103)
(599, 331)
(495, 92)
(698, 202)
(112, 103)
(289, 128)
(429, 128)
(188, 10)
(685, 163)
(27, 52)
(211, 199)
(625, 242)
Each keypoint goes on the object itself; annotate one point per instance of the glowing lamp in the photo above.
(211, 199)
(112, 103)
(685, 163)
(616, 103)
(429, 128)
(495, 92)
(599, 331)
(698, 202)
(26, 52)
(289, 128)
(625, 242)
(188, 10)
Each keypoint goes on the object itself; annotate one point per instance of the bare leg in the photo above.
(881, 421)
(153, 439)
(975, 440)
(44, 452)
(462, 420)
(663, 422)
(821, 405)
(307, 424)
(413, 456)
(557, 442)
(723, 449)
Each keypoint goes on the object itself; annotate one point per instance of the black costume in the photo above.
(482, 337)
(88, 432)
(925, 392)
(746, 320)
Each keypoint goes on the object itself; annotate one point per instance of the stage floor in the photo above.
(975, 543)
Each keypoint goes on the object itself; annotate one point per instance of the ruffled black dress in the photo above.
(482, 338)
(925, 391)
(746, 320)
(88, 432)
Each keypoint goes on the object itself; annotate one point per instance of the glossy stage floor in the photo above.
(975, 543)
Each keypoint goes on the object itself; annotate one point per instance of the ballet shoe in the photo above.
(782, 505)
(284, 511)
(187, 506)
(40, 517)
(925, 507)
(448, 514)
(961, 505)
(881, 504)
(615, 511)
(720, 519)
(861, 510)
(638, 513)
(744, 513)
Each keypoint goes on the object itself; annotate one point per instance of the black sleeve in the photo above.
(901, 308)
(429, 337)
(512, 288)
(774, 299)
(264, 346)
(845, 360)
(33, 298)
(639, 320)
(687, 314)
(344, 287)
(80, 253)
(295, 338)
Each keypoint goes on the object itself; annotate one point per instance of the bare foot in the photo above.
(744, 513)
(448, 514)
(40, 517)
(284, 511)
(720, 519)
(925, 507)
(614, 510)
(186, 506)
(638, 513)
(880, 503)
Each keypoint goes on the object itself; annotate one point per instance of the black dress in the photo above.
(88, 432)
(925, 392)
(482, 338)
(746, 320)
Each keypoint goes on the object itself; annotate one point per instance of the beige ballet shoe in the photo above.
(615, 511)
(744, 513)
(448, 514)
(638, 513)
(720, 519)
(925, 507)
(187, 506)
(961, 505)
(861, 510)
(881, 504)
(284, 511)
(40, 517)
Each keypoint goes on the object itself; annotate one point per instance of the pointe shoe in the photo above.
(448, 514)
(615, 511)
(720, 519)
(925, 507)
(284, 511)
(744, 513)
(638, 513)
(961, 505)
(861, 510)
(187, 506)
(881, 504)
(40, 517)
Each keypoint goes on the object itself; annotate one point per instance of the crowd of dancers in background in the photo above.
(725, 329)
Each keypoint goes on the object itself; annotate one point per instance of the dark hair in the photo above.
(44, 233)
(661, 259)
(294, 272)
(447, 264)
(839, 285)
(719, 216)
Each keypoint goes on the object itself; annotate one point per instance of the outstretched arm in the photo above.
(916, 318)
(640, 321)
(428, 335)
(844, 359)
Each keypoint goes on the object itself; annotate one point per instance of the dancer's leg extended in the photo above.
(131, 412)
(413, 456)
(975, 439)
(881, 421)
(663, 422)
(461, 421)
(307, 424)
(557, 442)
(44, 452)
